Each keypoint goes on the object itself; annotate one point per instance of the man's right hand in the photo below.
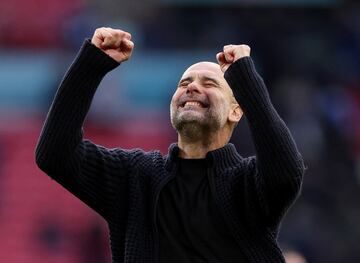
(114, 42)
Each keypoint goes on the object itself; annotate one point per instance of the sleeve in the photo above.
(94, 174)
(279, 166)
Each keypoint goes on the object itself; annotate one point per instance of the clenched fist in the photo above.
(230, 54)
(114, 42)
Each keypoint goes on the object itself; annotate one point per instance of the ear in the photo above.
(235, 113)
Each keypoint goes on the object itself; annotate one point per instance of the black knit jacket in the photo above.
(123, 186)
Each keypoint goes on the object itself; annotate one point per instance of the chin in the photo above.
(191, 117)
(191, 123)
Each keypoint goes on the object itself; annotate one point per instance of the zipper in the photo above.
(154, 209)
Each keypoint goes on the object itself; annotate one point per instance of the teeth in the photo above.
(192, 103)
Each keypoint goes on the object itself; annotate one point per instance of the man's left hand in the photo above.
(230, 54)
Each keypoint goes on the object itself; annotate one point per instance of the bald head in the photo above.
(207, 66)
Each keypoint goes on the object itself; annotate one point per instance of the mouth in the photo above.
(193, 103)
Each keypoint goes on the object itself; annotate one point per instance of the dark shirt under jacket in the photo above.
(191, 228)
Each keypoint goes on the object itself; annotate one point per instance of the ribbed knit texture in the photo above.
(252, 193)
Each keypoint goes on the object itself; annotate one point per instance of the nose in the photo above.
(193, 87)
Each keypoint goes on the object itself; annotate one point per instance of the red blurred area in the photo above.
(35, 23)
(38, 217)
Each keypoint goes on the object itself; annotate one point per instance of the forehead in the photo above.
(208, 69)
(211, 70)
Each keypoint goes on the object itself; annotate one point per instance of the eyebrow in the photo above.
(186, 79)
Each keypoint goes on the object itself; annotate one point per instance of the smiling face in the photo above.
(203, 101)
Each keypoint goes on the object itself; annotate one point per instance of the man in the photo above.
(202, 202)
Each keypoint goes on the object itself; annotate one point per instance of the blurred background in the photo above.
(308, 52)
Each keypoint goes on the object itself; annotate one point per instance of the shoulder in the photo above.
(137, 155)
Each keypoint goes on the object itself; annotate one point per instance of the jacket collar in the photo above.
(220, 159)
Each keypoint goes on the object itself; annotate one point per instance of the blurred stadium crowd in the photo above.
(308, 52)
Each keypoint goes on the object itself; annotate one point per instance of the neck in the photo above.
(196, 149)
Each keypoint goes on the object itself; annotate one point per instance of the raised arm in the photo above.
(279, 166)
(92, 173)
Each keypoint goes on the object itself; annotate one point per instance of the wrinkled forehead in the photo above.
(208, 69)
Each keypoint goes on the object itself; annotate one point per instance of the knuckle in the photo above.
(245, 47)
(118, 32)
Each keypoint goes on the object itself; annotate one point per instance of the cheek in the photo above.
(220, 104)
(174, 98)
(176, 95)
(216, 99)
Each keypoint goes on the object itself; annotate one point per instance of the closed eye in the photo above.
(210, 84)
(184, 83)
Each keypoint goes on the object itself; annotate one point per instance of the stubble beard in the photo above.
(195, 126)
